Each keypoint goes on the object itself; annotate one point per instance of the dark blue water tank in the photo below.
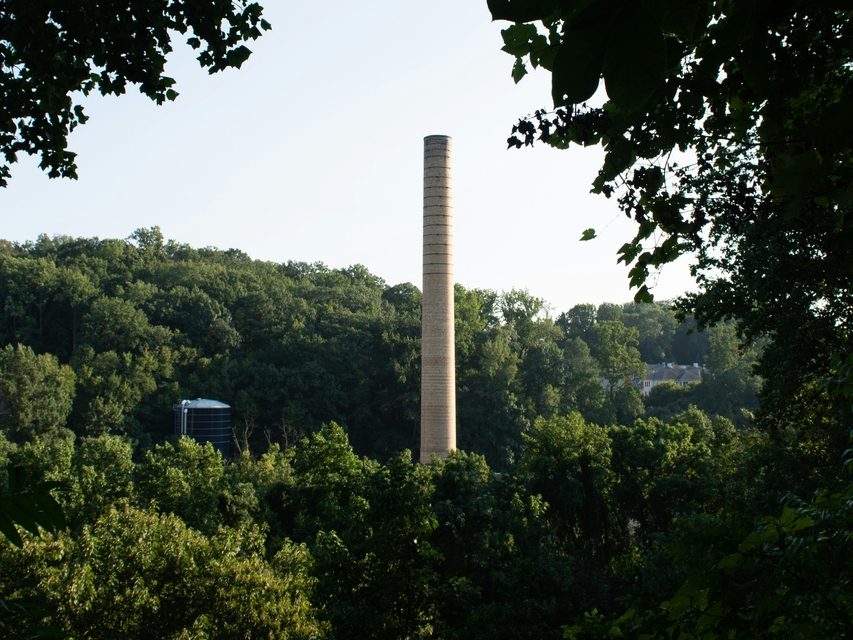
(205, 421)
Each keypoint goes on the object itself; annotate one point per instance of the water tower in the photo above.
(205, 420)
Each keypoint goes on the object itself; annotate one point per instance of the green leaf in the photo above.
(588, 234)
(577, 66)
(681, 18)
(767, 535)
(635, 63)
(628, 252)
(7, 528)
(757, 66)
(643, 295)
(786, 520)
(18, 509)
(620, 156)
(50, 516)
(522, 10)
(731, 561)
(519, 70)
(518, 38)
(543, 56)
(792, 175)
(237, 56)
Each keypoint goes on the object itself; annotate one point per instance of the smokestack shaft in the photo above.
(438, 362)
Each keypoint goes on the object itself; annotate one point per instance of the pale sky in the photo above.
(313, 152)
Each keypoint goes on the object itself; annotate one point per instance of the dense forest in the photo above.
(576, 507)
(572, 498)
(110, 334)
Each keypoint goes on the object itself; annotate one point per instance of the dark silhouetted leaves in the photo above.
(635, 62)
(577, 66)
(522, 10)
(29, 507)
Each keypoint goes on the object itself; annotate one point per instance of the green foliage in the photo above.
(383, 558)
(253, 489)
(139, 575)
(328, 478)
(560, 512)
(144, 321)
(490, 416)
(387, 549)
(667, 398)
(567, 462)
(729, 387)
(101, 48)
(666, 469)
(689, 344)
(31, 507)
(577, 321)
(185, 479)
(614, 346)
(112, 386)
(115, 324)
(656, 325)
(48, 457)
(501, 570)
(36, 392)
(723, 135)
(102, 476)
(627, 405)
(789, 577)
(582, 389)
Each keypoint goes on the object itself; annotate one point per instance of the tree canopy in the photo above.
(575, 494)
(53, 52)
(722, 121)
(726, 131)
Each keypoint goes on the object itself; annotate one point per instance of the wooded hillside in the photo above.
(574, 507)
(113, 333)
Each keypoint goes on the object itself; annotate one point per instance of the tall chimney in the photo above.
(438, 362)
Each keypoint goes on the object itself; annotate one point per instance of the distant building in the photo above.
(680, 374)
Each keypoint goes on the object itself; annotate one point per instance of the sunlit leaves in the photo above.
(134, 574)
(186, 479)
(38, 391)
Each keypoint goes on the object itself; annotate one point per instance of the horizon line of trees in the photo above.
(106, 335)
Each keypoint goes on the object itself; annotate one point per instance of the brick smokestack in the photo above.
(438, 361)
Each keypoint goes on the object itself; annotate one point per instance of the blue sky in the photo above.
(312, 151)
